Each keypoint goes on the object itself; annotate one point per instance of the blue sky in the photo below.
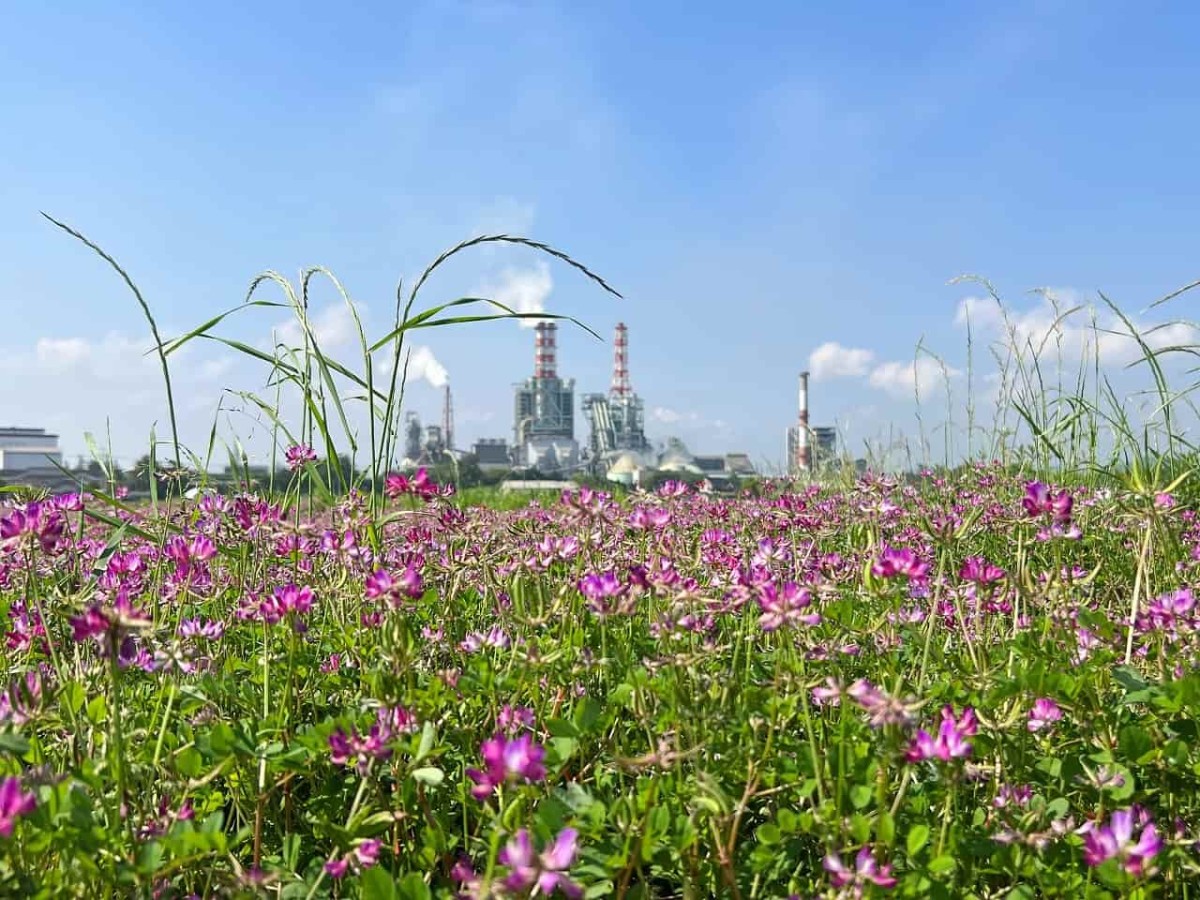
(759, 181)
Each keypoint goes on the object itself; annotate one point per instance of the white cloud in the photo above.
(903, 379)
(687, 420)
(332, 325)
(61, 353)
(1048, 328)
(522, 290)
(832, 360)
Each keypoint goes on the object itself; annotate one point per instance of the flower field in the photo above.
(964, 685)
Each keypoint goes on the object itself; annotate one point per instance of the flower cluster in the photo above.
(299, 455)
(504, 760)
(951, 739)
(374, 745)
(1116, 841)
(418, 485)
(364, 855)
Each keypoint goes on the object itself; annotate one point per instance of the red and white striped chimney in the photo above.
(803, 453)
(620, 374)
(544, 364)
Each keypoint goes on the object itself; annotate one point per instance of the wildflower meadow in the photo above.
(979, 681)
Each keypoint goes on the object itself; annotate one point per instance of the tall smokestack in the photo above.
(448, 420)
(803, 454)
(620, 375)
(544, 364)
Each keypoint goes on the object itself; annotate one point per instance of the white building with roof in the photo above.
(22, 449)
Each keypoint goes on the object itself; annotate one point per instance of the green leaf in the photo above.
(412, 887)
(860, 795)
(885, 827)
(941, 864)
(1135, 743)
(428, 735)
(918, 837)
(73, 696)
(189, 762)
(97, 710)
(377, 884)
(13, 743)
(768, 834)
(430, 775)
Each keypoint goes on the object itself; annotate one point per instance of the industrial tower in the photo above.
(616, 421)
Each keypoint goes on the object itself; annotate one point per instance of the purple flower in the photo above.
(896, 561)
(393, 589)
(1045, 713)
(882, 709)
(14, 802)
(374, 744)
(1039, 500)
(547, 870)
(514, 718)
(298, 456)
(866, 872)
(286, 601)
(785, 606)
(601, 589)
(506, 759)
(1115, 841)
(951, 741)
(978, 570)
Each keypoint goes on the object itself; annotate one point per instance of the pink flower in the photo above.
(866, 872)
(785, 606)
(980, 571)
(14, 802)
(299, 455)
(514, 718)
(1115, 841)
(882, 709)
(895, 561)
(1045, 713)
(1039, 501)
(505, 760)
(950, 742)
(374, 744)
(547, 870)
(419, 485)
(288, 600)
(380, 584)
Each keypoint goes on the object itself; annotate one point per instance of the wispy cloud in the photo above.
(522, 290)
(333, 326)
(905, 379)
(1065, 321)
(832, 360)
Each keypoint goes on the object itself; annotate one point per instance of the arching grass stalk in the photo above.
(158, 343)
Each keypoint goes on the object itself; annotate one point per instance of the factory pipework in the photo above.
(803, 452)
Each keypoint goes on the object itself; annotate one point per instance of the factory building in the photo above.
(23, 449)
(544, 411)
(492, 454)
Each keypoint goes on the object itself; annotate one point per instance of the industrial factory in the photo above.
(617, 448)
